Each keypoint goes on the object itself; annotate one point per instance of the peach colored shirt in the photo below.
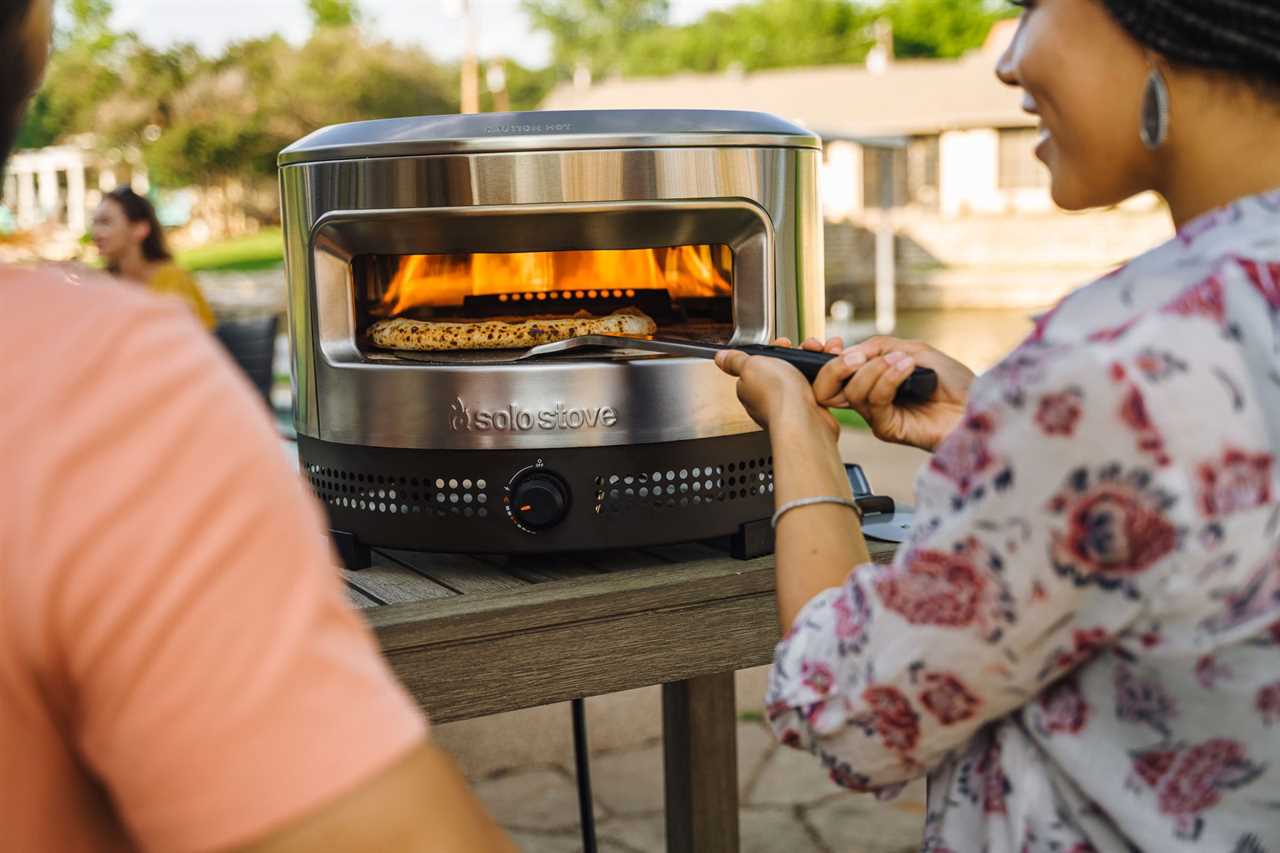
(179, 667)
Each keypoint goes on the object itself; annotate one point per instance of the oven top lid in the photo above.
(546, 131)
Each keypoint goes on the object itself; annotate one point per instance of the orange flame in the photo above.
(440, 280)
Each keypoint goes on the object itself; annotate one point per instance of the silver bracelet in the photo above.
(825, 499)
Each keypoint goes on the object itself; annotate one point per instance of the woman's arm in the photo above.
(816, 545)
(885, 675)
(1049, 522)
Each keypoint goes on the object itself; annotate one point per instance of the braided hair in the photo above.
(1238, 37)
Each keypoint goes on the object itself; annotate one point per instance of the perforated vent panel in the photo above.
(385, 494)
(451, 500)
(674, 488)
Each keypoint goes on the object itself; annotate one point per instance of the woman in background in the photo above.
(131, 242)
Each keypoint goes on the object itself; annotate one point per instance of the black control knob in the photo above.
(539, 500)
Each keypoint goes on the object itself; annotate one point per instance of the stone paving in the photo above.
(787, 804)
(253, 294)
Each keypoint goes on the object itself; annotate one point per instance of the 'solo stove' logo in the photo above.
(515, 418)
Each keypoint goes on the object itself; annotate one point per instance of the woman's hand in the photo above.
(819, 544)
(773, 391)
(865, 378)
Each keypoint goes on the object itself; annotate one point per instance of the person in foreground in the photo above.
(131, 241)
(1080, 644)
(179, 668)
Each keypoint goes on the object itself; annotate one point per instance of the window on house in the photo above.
(884, 171)
(922, 171)
(1019, 167)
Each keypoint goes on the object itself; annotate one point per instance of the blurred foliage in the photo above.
(526, 87)
(84, 71)
(203, 120)
(765, 34)
(233, 117)
(930, 28)
(334, 13)
(594, 33)
(89, 18)
(221, 120)
(630, 37)
(198, 120)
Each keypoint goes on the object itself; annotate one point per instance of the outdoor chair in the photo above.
(252, 344)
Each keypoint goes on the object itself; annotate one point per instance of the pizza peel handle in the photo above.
(918, 387)
(807, 362)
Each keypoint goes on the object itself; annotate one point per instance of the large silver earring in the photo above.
(1155, 111)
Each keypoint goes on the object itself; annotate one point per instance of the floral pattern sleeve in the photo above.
(1053, 524)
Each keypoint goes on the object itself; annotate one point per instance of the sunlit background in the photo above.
(938, 218)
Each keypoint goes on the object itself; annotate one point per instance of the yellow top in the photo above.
(173, 280)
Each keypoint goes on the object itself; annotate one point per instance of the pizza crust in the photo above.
(400, 333)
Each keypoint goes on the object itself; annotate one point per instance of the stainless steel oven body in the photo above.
(619, 451)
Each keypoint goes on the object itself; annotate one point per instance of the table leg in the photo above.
(700, 758)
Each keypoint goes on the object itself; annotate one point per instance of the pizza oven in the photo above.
(706, 221)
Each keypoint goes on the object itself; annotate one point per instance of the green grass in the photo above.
(260, 251)
(849, 418)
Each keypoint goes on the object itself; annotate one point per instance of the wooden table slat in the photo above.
(462, 573)
(541, 605)
(391, 583)
(618, 561)
(538, 568)
(526, 667)
(359, 599)
(686, 552)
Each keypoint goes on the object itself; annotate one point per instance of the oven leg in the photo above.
(753, 539)
(353, 552)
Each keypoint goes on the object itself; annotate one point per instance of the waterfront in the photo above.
(978, 338)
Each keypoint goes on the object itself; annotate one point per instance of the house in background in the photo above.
(60, 185)
(49, 194)
(974, 222)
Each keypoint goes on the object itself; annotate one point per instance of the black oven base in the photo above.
(617, 497)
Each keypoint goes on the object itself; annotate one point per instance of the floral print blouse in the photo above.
(1081, 642)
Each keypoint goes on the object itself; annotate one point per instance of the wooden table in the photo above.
(471, 636)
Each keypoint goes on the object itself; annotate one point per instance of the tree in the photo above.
(764, 34)
(83, 70)
(632, 38)
(334, 13)
(90, 19)
(220, 122)
(526, 87)
(593, 32)
(231, 120)
(942, 28)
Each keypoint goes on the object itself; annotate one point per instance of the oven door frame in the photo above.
(340, 236)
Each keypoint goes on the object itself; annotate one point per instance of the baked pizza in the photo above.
(401, 333)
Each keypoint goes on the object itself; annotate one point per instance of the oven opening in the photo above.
(686, 290)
